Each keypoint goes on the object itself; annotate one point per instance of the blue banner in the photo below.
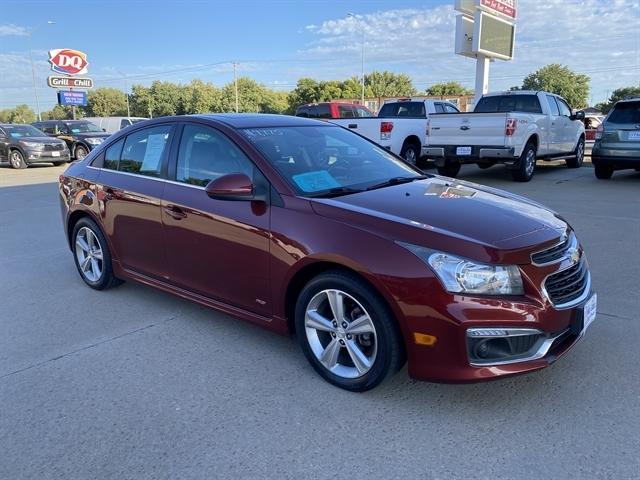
(72, 98)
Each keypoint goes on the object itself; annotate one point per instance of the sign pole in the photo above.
(482, 76)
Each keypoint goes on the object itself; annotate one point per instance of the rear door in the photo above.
(130, 186)
(622, 127)
(215, 248)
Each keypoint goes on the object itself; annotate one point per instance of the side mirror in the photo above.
(233, 186)
(577, 116)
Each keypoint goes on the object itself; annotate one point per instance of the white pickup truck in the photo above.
(401, 126)
(514, 128)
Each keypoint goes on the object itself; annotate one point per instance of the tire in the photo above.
(57, 164)
(450, 169)
(80, 152)
(576, 161)
(377, 348)
(526, 164)
(17, 160)
(603, 172)
(484, 166)
(411, 154)
(97, 272)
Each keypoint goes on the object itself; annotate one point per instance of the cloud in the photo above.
(11, 29)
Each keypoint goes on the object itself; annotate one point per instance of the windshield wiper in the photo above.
(336, 192)
(396, 181)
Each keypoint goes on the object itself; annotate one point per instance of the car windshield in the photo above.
(83, 127)
(19, 131)
(326, 160)
(626, 112)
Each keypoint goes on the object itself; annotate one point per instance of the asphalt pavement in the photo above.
(135, 383)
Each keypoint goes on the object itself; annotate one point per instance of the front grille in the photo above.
(49, 147)
(567, 285)
(554, 253)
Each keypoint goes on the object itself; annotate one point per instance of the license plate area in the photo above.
(585, 315)
(634, 136)
(463, 151)
(55, 154)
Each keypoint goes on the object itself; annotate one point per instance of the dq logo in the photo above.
(69, 62)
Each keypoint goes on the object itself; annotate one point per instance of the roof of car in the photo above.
(636, 99)
(260, 120)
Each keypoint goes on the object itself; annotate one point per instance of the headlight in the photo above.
(33, 145)
(94, 141)
(459, 275)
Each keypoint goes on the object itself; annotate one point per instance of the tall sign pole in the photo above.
(482, 76)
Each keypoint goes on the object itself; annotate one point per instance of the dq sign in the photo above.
(67, 61)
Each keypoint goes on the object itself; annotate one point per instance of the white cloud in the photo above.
(11, 29)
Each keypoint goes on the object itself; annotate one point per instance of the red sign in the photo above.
(502, 7)
(67, 61)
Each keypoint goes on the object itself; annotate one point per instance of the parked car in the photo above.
(299, 225)
(333, 110)
(513, 128)
(591, 124)
(81, 136)
(22, 145)
(400, 126)
(113, 124)
(617, 145)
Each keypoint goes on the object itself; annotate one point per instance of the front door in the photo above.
(569, 127)
(4, 147)
(215, 248)
(130, 188)
(556, 127)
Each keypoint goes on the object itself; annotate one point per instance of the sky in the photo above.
(278, 41)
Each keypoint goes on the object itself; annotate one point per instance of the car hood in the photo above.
(91, 135)
(48, 140)
(449, 215)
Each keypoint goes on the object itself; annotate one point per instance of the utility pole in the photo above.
(126, 92)
(33, 68)
(235, 83)
(354, 16)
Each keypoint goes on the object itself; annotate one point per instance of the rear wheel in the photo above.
(526, 164)
(603, 172)
(92, 256)
(576, 161)
(17, 159)
(450, 169)
(347, 333)
(57, 164)
(484, 166)
(411, 154)
(80, 152)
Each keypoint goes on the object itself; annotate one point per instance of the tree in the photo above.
(448, 88)
(306, 91)
(558, 79)
(388, 84)
(352, 88)
(58, 112)
(105, 102)
(19, 114)
(616, 96)
(166, 98)
(200, 97)
(141, 102)
(252, 97)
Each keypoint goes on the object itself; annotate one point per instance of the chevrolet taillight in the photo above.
(510, 127)
(385, 130)
(599, 131)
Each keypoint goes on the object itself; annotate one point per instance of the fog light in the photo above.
(495, 346)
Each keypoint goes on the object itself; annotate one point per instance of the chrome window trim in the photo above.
(138, 175)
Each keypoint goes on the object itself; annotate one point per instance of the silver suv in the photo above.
(617, 145)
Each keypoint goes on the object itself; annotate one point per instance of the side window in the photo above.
(345, 111)
(564, 108)
(324, 111)
(362, 113)
(312, 111)
(124, 123)
(112, 155)
(145, 150)
(206, 154)
(439, 108)
(553, 106)
(302, 112)
(450, 108)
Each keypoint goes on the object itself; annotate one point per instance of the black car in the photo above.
(81, 136)
(21, 145)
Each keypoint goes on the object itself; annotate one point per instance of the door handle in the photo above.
(175, 212)
(353, 125)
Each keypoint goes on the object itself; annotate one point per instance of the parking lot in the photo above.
(135, 383)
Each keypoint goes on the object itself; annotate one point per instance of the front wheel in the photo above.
(603, 172)
(92, 255)
(449, 169)
(526, 164)
(80, 152)
(578, 158)
(346, 332)
(17, 160)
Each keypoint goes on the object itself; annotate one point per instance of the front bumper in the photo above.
(35, 156)
(448, 153)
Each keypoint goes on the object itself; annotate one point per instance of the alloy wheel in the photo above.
(89, 254)
(341, 333)
(530, 162)
(410, 156)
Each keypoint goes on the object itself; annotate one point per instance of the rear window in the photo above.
(627, 112)
(509, 103)
(403, 109)
(345, 111)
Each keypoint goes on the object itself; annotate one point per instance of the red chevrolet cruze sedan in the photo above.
(302, 226)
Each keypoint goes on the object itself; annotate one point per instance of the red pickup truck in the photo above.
(333, 110)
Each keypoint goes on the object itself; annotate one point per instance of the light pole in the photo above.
(354, 16)
(126, 92)
(33, 68)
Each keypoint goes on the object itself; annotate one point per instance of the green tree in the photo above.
(616, 96)
(105, 102)
(558, 79)
(200, 97)
(448, 88)
(141, 102)
(352, 88)
(307, 91)
(388, 84)
(166, 98)
(252, 97)
(58, 112)
(19, 114)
